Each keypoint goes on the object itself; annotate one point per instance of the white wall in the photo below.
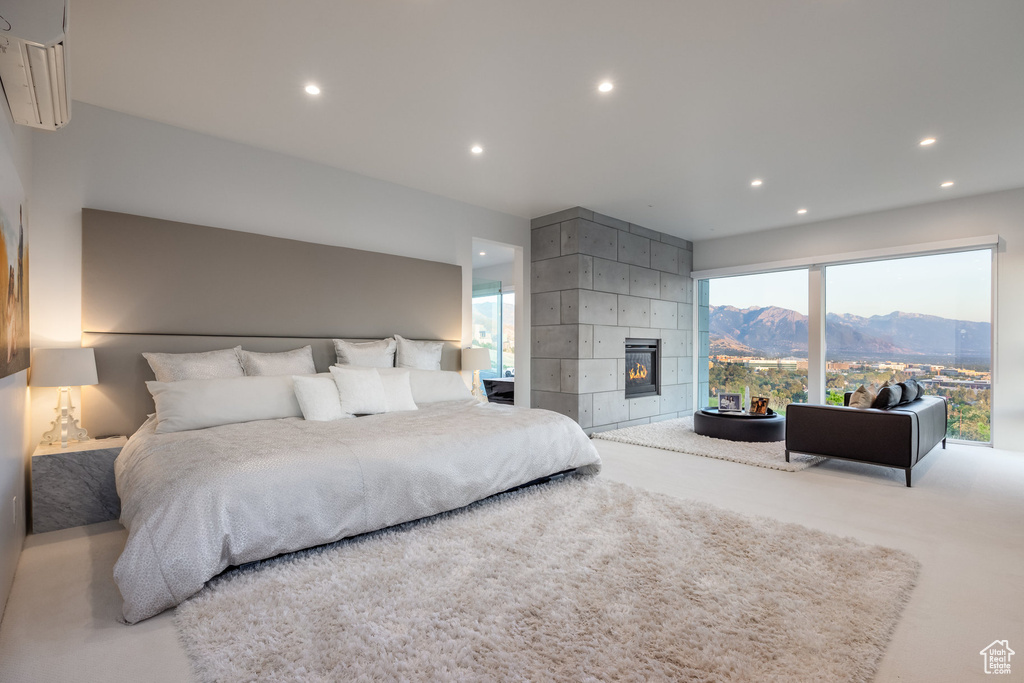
(997, 212)
(503, 272)
(15, 143)
(115, 162)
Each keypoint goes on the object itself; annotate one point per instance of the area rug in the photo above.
(579, 579)
(678, 435)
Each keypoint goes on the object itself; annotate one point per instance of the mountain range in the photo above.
(774, 331)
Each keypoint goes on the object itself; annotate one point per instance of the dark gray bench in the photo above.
(899, 437)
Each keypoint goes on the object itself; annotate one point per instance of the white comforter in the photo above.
(198, 502)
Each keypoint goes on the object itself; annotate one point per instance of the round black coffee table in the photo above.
(740, 426)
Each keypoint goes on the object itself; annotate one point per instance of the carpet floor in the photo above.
(578, 579)
(678, 435)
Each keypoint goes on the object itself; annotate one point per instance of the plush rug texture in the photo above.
(678, 435)
(578, 579)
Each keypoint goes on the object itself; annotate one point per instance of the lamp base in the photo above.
(478, 388)
(65, 426)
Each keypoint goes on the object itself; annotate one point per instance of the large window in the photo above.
(494, 326)
(757, 327)
(926, 317)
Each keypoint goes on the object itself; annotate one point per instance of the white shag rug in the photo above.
(578, 579)
(678, 435)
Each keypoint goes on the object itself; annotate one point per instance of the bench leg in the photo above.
(943, 443)
(908, 477)
(787, 456)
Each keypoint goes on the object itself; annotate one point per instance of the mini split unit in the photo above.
(33, 62)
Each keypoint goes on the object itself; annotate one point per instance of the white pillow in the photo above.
(201, 403)
(374, 354)
(397, 390)
(295, 362)
(422, 355)
(360, 390)
(318, 398)
(434, 386)
(175, 367)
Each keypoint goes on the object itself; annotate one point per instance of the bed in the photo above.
(198, 502)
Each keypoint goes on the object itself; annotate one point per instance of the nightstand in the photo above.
(75, 485)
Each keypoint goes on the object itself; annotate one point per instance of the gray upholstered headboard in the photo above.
(155, 285)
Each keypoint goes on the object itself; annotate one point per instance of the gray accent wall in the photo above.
(596, 280)
(149, 276)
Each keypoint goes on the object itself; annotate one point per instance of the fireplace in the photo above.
(642, 367)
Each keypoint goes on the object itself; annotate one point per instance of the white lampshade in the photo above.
(476, 359)
(63, 368)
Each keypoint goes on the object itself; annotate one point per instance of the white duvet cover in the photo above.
(200, 501)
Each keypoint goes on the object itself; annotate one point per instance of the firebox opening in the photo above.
(642, 376)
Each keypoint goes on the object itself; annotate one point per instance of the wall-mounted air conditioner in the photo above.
(33, 61)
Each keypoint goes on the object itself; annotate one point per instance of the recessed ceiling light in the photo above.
(312, 89)
(483, 253)
(476, 149)
(801, 211)
(948, 183)
(927, 141)
(756, 183)
(606, 86)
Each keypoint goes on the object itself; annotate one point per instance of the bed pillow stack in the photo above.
(295, 362)
(201, 403)
(372, 354)
(229, 386)
(175, 367)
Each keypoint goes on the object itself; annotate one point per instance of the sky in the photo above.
(957, 286)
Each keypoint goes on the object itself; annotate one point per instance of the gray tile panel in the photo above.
(677, 242)
(545, 243)
(634, 311)
(555, 341)
(545, 308)
(570, 306)
(644, 407)
(609, 341)
(684, 317)
(634, 423)
(570, 236)
(669, 370)
(596, 374)
(664, 314)
(644, 282)
(570, 376)
(675, 288)
(644, 232)
(586, 341)
(665, 257)
(610, 222)
(611, 276)
(634, 250)
(598, 240)
(597, 308)
(585, 410)
(566, 404)
(556, 274)
(545, 374)
(610, 407)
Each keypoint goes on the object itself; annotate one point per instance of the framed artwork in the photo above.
(729, 403)
(759, 405)
(14, 337)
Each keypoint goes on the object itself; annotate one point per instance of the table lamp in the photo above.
(63, 368)
(476, 359)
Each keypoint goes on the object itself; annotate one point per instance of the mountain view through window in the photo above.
(925, 317)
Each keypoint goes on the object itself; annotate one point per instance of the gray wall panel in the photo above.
(150, 276)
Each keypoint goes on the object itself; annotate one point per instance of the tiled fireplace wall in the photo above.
(595, 281)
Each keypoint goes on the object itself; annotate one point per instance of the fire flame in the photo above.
(639, 373)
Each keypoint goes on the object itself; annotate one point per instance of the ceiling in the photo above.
(825, 100)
